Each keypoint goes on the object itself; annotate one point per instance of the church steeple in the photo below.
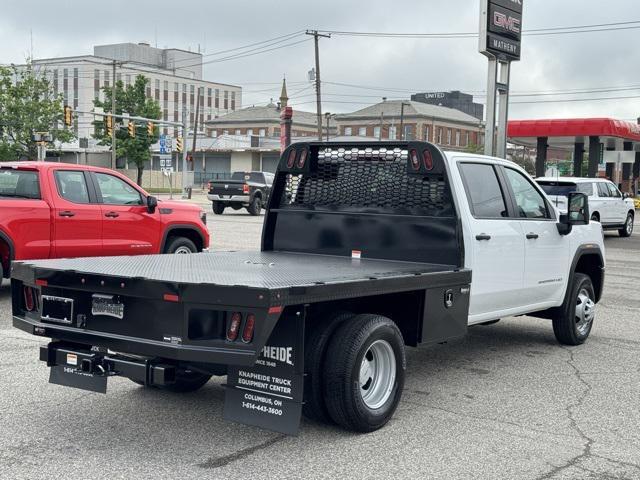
(284, 99)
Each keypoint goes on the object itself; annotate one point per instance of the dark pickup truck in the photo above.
(248, 190)
(366, 249)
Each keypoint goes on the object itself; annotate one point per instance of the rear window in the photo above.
(19, 184)
(563, 189)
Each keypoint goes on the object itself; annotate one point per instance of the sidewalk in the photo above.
(199, 197)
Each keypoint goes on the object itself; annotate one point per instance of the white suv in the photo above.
(606, 203)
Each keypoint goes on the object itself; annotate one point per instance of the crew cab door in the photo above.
(76, 216)
(127, 227)
(546, 251)
(496, 253)
(619, 208)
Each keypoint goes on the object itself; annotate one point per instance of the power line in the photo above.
(600, 27)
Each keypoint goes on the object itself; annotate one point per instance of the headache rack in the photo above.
(389, 200)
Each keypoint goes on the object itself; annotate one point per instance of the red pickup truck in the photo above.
(58, 210)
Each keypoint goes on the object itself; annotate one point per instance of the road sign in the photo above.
(165, 160)
(501, 29)
(163, 144)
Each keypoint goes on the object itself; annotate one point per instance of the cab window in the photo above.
(603, 190)
(72, 186)
(529, 201)
(483, 190)
(116, 191)
(613, 190)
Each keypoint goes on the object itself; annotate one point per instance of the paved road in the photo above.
(506, 402)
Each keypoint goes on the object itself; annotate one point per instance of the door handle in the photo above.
(532, 236)
(66, 213)
(112, 214)
(483, 237)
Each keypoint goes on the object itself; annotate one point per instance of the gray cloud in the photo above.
(606, 59)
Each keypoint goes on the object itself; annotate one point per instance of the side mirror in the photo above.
(577, 214)
(625, 195)
(152, 203)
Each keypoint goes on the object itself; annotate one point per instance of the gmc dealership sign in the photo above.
(501, 28)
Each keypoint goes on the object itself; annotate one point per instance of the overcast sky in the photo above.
(549, 63)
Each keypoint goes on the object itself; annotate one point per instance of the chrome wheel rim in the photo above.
(585, 312)
(182, 251)
(629, 225)
(377, 374)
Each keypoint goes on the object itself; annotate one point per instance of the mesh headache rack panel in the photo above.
(368, 180)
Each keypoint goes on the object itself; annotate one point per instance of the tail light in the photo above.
(427, 160)
(29, 299)
(415, 161)
(249, 325)
(302, 159)
(208, 185)
(291, 160)
(245, 188)
(234, 326)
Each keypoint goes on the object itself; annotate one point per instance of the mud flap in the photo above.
(269, 394)
(72, 377)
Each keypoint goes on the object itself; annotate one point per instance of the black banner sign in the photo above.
(269, 394)
(501, 45)
(505, 22)
(513, 5)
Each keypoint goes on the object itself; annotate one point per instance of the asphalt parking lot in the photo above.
(505, 402)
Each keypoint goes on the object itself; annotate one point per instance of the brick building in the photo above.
(449, 128)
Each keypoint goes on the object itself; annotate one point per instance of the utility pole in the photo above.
(195, 133)
(328, 117)
(402, 105)
(184, 153)
(316, 36)
(381, 126)
(113, 112)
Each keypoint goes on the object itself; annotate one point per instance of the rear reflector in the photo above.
(170, 297)
(42, 283)
(29, 299)
(277, 309)
(249, 324)
(234, 326)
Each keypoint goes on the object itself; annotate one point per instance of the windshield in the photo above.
(563, 189)
(19, 184)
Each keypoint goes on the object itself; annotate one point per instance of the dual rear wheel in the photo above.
(355, 366)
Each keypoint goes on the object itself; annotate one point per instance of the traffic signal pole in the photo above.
(184, 153)
(113, 111)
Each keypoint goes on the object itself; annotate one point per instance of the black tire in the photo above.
(627, 230)
(186, 381)
(342, 390)
(180, 245)
(315, 350)
(255, 207)
(217, 207)
(566, 327)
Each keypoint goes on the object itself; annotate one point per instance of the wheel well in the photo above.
(595, 214)
(6, 255)
(404, 308)
(258, 194)
(189, 233)
(591, 264)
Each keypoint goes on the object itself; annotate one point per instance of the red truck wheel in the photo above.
(181, 245)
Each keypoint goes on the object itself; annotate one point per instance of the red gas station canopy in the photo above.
(573, 129)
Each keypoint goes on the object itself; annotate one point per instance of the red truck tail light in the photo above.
(427, 160)
(249, 325)
(245, 188)
(291, 160)
(234, 326)
(302, 159)
(415, 161)
(29, 299)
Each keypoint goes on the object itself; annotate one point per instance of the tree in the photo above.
(28, 105)
(473, 148)
(133, 101)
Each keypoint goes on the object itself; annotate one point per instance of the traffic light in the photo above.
(179, 146)
(150, 128)
(108, 122)
(132, 129)
(68, 115)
